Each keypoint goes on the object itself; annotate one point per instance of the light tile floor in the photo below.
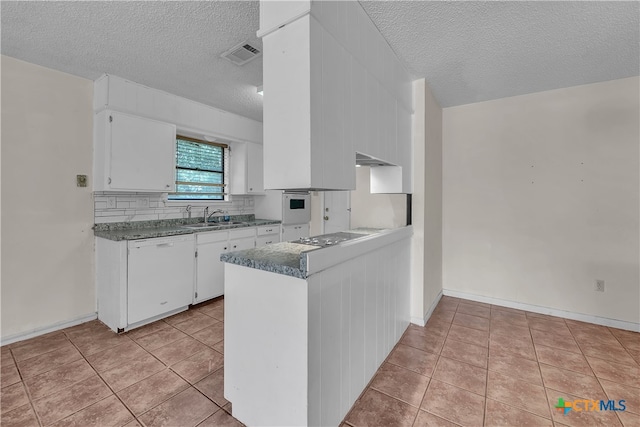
(476, 364)
(166, 373)
(472, 365)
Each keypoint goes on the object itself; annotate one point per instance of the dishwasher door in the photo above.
(160, 276)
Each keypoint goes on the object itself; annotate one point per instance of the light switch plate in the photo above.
(81, 180)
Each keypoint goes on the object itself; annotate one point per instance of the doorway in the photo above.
(336, 212)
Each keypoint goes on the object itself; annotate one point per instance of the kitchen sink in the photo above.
(213, 224)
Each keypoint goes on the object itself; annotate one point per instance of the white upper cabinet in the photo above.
(246, 172)
(255, 170)
(133, 153)
(332, 86)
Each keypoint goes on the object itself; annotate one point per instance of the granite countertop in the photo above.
(288, 258)
(163, 228)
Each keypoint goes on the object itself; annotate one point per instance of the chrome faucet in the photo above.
(211, 214)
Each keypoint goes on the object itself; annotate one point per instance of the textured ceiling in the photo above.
(476, 51)
(172, 46)
(467, 51)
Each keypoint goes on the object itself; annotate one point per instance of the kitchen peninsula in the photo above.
(307, 324)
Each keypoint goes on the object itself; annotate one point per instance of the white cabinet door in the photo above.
(134, 153)
(159, 276)
(209, 268)
(246, 174)
(210, 271)
(238, 168)
(255, 179)
(294, 232)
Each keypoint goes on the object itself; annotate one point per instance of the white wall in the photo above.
(426, 212)
(432, 200)
(541, 198)
(47, 241)
(376, 210)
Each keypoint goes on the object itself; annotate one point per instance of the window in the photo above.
(200, 170)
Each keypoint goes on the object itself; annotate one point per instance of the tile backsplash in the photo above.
(119, 207)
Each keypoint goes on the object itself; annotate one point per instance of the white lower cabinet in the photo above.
(294, 232)
(140, 281)
(209, 268)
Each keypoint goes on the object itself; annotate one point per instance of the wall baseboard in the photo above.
(603, 321)
(46, 329)
(423, 321)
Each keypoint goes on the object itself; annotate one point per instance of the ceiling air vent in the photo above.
(242, 53)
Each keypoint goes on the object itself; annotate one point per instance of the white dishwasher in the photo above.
(160, 276)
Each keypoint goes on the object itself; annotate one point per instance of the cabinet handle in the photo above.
(268, 243)
(235, 246)
(163, 303)
(225, 248)
(251, 189)
(108, 180)
(164, 245)
(168, 185)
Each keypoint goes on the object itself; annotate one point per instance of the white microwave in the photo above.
(296, 208)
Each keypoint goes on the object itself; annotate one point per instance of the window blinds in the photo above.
(200, 170)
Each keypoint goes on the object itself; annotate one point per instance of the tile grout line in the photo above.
(440, 356)
(84, 357)
(422, 399)
(182, 391)
(622, 344)
(170, 368)
(26, 389)
(544, 385)
(102, 379)
(110, 387)
(368, 385)
(537, 361)
(65, 388)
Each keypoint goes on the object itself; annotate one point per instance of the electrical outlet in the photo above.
(111, 202)
(599, 285)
